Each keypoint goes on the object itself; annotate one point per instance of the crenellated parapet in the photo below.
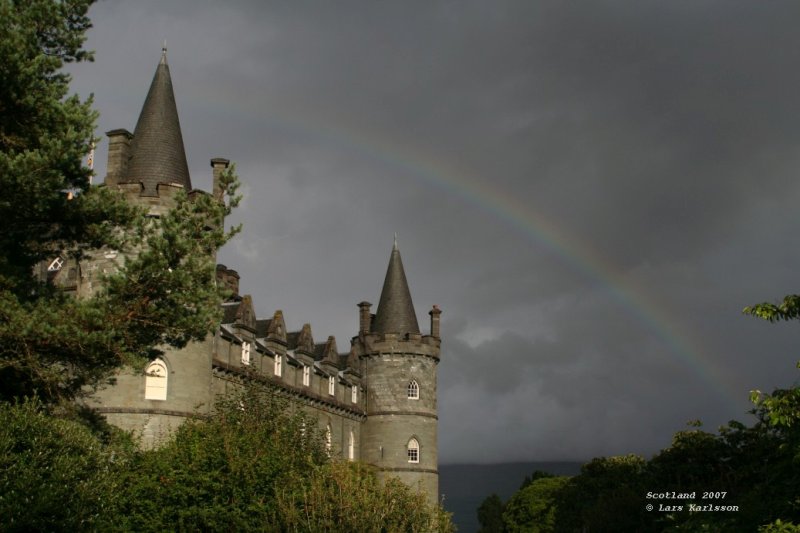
(414, 344)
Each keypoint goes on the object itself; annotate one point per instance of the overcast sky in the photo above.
(591, 191)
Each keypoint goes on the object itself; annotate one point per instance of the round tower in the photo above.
(398, 364)
(149, 166)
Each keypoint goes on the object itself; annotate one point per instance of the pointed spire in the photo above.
(157, 153)
(395, 310)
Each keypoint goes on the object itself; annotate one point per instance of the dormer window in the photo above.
(354, 394)
(245, 353)
(306, 375)
(413, 390)
(278, 364)
(332, 385)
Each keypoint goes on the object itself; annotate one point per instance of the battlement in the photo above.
(367, 345)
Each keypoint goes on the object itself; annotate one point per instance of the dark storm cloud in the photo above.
(657, 139)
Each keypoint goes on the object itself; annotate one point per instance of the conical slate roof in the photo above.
(157, 153)
(395, 309)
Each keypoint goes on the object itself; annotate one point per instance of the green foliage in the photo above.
(223, 472)
(788, 309)
(779, 527)
(43, 133)
(608, 495)
(254, 465)
(533, 508)
(538, 474)
(349, 497)
(51, 345)
(490, 515)
(55, 473)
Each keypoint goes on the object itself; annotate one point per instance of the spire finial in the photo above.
(394, 246)
(164, 52)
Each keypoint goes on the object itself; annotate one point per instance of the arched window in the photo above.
(413, 390)
(413, 451)
(351, 447)
(155, 381)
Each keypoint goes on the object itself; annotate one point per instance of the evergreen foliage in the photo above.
(490, 515)
(56, 474)
(51, 345)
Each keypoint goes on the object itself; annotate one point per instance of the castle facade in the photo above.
(375, 401)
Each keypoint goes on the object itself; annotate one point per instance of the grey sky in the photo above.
(591, 191)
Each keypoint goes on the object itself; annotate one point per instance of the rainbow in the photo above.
(533, 226)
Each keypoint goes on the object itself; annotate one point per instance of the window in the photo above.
(413, 451)
(278, 364)
(155, 381)
(56, 264)
(328, 439)
(351, 447)
(332, 385)
(354, 394)
(413, 390)
(245, 353)
(306, 375)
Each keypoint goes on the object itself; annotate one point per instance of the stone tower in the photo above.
(399, 364)
(150, 168)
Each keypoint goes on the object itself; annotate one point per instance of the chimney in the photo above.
(119, 145)
(219, 165)
(435, 320)
(364, 318)
(229, 279)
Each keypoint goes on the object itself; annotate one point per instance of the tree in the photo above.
(533, 508)
(55, 474)
(51, 345)
(254, 465)
(606, 496)
(490, 514)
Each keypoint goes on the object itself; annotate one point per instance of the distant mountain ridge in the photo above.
(465, 486)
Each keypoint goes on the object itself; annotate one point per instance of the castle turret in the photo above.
(150, 167)
(399, 366)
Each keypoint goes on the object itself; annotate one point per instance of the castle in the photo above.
(375, 402)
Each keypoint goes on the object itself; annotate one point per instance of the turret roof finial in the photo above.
(164, 53)
(394, 247)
